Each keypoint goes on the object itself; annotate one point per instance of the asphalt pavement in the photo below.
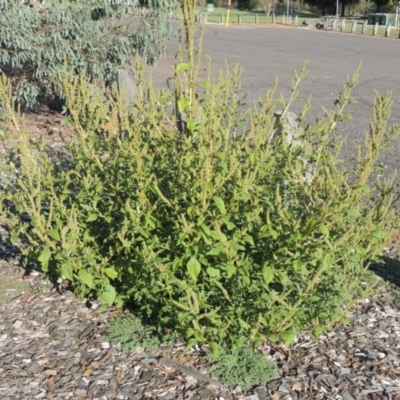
(266, 52)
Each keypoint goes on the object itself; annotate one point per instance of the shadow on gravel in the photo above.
(8, 252)
(12, 269)
(388, 269)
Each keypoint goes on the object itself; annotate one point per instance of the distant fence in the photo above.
(346, 25)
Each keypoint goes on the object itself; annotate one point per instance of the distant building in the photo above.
(381, 19)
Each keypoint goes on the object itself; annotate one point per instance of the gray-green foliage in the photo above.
(131, 333)
(241, 367)
(93, 37)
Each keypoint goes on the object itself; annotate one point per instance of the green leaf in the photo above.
(220, 204)
(243, 324)
(345, 320)
(192, 126)
(111, 273)
(109, 294)
(199, 335)
(284, 279)
(86, 278)
(324, 230)
(273, 233)
(44, 258)
(377, 235)
(262, 320)
(364, 188)
(213, 272)
(91, 217)
(190, 343)
(183, 103)
(346, 117)
(273, 338)
(66, 271)
(150, 221)
(205, 84)
(288, 337)
(310, 225)
(182, 67)
(231, 270)
(215, 251)
(319, 330)
(214, 348)
(194, 268)
(248, 239)
(268, 274)
(205, 231)
(353, 212)
(246, 280)
(359, 249)
(54, 234)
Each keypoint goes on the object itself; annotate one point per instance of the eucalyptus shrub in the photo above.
(93, 37)
(207, 232)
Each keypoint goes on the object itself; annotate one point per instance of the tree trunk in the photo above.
(343, 8)
(267, 6)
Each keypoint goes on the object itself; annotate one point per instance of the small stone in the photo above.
(80, 393)
(149, 360)
(284, 388)
(171, 395)
(57, 334)
(50, 372)
(146, 375)
(17, 324)
(205, 393)
(261, 392)
(346, 396)
(87, 331)
(35, 368)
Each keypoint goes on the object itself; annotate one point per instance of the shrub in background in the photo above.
(93, 37)
(249, 5)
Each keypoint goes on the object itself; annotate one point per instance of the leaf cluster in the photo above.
(241, 367)
(131, 333)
